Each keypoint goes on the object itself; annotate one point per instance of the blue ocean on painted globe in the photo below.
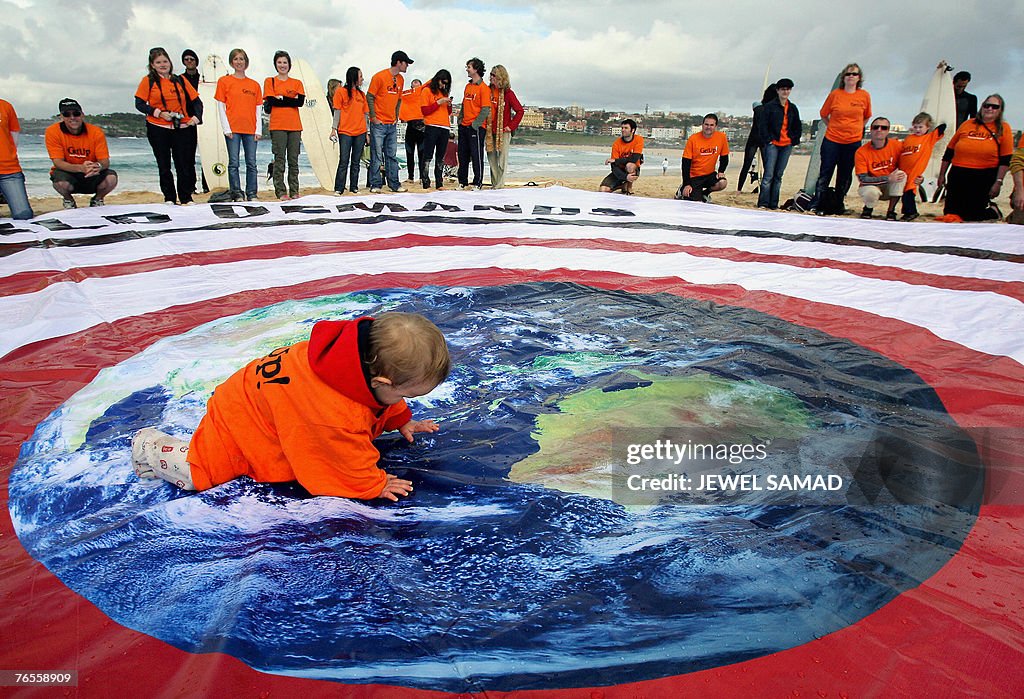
(527, 557)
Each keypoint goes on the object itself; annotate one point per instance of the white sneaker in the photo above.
(399, 190)
(69, 204)
(479, 187)
(96, 201)
(171, 203)
(374, 190)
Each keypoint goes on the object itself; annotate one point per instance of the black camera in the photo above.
(175, 118)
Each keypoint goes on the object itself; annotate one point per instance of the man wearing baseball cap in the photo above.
(384, 99)
(81, 161)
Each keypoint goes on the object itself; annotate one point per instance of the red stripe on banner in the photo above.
(28, 282)
(961, 625)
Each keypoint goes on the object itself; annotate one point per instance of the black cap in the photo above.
(784, 82)
(189, 52)
(400, 56)
(68, 103)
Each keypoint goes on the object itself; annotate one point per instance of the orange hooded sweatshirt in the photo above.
(303, 413)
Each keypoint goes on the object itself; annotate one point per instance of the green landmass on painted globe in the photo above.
(582, 447)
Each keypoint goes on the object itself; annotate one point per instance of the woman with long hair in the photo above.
(975, 162)
(506, 113)
(350, 112)
(282, 97)
(436, 103)
(238, 102)
(173, 110)
(845, 112)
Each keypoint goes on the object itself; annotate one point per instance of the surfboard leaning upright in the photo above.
(213, 150)
(814, 166)
(940, 102)
(317, 125)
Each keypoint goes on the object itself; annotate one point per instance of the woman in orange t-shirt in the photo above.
(436, 104)
(173, 110)
(844, 113)
(238, 102)
(282, 97)
(350, 111)
(977, 158)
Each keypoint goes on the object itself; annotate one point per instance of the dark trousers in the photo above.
(752, 148)
(178, 145)
(838, 158)
(434, 147)
(286, 145)
(967, 192)
(413, 140)
(909, 199)
(471, 150)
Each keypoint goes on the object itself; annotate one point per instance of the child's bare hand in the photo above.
(413, 426)
(396, 486)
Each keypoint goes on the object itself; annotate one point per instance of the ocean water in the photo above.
(136, 167)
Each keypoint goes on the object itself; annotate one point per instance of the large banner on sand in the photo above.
(684, 450)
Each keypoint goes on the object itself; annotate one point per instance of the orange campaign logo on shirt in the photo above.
(622, 149)
(846, 113)
(88, 145)
(975, 147)
(917, 151)
(473, 101)
(703, 152)
(878, 161)
(410, 108)
(441, 115)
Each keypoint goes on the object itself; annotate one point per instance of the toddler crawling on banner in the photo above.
(309, 412)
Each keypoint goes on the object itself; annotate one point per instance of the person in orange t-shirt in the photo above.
(700, 154)
(282, 97)
(412, 115)
(350, 111)
(81, 161)
(917, 152)
(12, 179)
(844, 113)
(626, 158)
(436, 105)
(309, 412)
(476, 108)
(238, 103)
(384, 98)
(877, 167)
(173, 110)
(977, 158)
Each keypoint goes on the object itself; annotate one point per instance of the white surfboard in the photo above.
(818, 129)
(317, 125)
(213, 150)
(939, 101)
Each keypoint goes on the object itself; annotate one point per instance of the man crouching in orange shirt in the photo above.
(309, 412)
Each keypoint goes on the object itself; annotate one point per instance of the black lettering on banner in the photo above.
(506, 209)
(541, 210)
(271, 367)
(612, 212)
(375, 209)
(435, 205)
(300, 209)
(139, 217)
(53, 225)
(238, 210)
(8, 228)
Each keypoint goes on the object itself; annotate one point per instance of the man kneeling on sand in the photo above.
(81, 161)
(702, 151)
(627, 157)
(876, 165)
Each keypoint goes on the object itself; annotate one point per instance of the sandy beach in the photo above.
(652, 184)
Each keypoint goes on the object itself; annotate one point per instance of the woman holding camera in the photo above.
(173, 109)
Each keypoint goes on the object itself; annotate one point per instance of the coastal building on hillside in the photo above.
(577, 111)
(532, 118)
(660, 133)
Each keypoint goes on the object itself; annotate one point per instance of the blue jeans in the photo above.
(384, 144)
(13, 188)
(776, 158)
(348, 163)
(248, 142)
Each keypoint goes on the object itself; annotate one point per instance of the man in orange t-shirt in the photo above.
(877, 166)
(384, 100)
(626, 159)
(12, 179)
(700, 154)
(81, 161)
(476, 107)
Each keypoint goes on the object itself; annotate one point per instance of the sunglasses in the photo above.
(71, 113)
(879, 127)
(189, 58)
(989, 105)
(846, 75)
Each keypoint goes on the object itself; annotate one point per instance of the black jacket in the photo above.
(771, 123)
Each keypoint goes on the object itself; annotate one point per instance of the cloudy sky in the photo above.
(660, 55)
